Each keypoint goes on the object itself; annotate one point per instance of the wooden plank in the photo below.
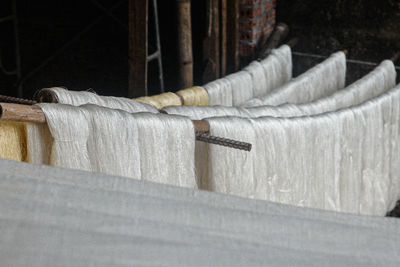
(233, 58)
(224, 14)
(211, 42)
(185, 79)
(138, 47)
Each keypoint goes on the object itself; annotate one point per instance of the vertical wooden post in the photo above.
(185, 44)
(224, 14)
(233, 58)
(138, 32)
(211, 42)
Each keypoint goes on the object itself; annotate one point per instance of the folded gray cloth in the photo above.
(57, 217)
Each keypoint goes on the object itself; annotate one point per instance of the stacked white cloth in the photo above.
(321, 80)
(138, 145)
(53, 216)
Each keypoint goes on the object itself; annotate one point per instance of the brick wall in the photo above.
(256, 22)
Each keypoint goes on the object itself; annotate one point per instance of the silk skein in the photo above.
(321, 80)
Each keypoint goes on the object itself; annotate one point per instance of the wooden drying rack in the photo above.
(34, 114)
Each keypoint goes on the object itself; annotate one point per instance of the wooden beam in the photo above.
(233, 58)
(211, 42)
(223, 28)
(33, 113)
(138, 47)
(185, 79)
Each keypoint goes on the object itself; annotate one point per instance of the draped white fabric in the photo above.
(58, 217)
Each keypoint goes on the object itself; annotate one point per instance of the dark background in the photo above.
(368, 29)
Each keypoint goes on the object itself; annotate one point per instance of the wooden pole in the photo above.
(185, 44)
(33, 113)
(224, 14)
(232, 23)
(22, 113)
(138, 32)
(211, 42)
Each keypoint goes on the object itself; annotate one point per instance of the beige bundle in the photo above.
(12, 141)
(194, 96)
(162, 100)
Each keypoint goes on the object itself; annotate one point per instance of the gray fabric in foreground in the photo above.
(57, 217)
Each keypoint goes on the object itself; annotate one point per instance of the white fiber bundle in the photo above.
(321, 80)
(153, 147)
(332, 161)
(78, 98)
(269, 74)
(224, 175)
(378, 81)
(256, 70)
(70, 131)
(219, 92)
(277, 69)
(242, 87)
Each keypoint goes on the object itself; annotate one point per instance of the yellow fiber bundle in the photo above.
(194, 96)
(12, 141)
(162, 100)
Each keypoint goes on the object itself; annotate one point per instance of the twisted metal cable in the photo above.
(200, 136)
(16, 100)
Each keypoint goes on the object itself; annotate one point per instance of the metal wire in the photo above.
(200, 136)
(352, 61)
(16, 100)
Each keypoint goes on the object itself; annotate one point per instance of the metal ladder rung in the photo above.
(153, 56)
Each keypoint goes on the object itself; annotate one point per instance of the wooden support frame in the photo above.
(233, 56)
(185, 79)
(138, 47)
(211, 43)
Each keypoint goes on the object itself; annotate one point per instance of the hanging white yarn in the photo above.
(242, 87)
(256, 70)
(70, 131)
(270, 73)
(224, 176)
(277, 69)
(158, 148)
(39, 143)
(322, 80)
(78, 98)
(167, 144)
(331, 161)
(394, 147)
(378, 81)
(219, 92)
